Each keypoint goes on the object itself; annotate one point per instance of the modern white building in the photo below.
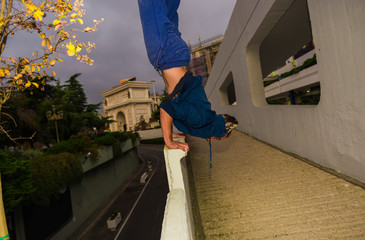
(260, 37)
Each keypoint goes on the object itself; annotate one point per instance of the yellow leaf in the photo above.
(60, 60)
(38, 15)
(33, 53)
(53, 73)
(73, 15)
(44, 43)
(18, 76)
(2, 74)
(80, 21)
(72, 20)
(52, 62)
(33, 69)
(78, 48)
(28, 84)
(56, 22)
(35, 84)
(7, 72)
(42, 35)
(71, 49)
(57, 27)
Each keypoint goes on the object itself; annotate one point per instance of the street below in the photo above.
(145, 221)
(141, 205)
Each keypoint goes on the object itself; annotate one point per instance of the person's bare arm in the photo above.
(166, 126)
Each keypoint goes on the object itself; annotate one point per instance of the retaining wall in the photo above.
(178, 220)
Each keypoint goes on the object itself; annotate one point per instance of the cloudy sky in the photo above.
(120, 52)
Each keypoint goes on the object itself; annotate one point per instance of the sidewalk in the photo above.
(254, 191)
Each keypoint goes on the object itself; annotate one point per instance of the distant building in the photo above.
(203, 55)
(126, 103)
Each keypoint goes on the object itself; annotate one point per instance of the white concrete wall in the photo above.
(150, 134)
(178, 218)
(331, 133)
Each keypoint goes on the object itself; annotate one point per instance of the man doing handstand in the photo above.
(187, 105)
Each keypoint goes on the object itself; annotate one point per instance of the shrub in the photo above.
(76, 145)
(31, 154)
(50, 173)
(106, 140)
(17, 184)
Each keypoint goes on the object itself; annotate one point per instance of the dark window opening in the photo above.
(228, 92)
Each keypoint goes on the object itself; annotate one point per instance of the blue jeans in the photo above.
(165, 47)
(191, 112)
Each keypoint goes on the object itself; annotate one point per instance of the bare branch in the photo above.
(2, 10)
(5, 30)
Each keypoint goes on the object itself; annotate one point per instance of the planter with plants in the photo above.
(306, 64)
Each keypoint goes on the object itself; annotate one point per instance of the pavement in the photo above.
(254, 191)
(141, 205)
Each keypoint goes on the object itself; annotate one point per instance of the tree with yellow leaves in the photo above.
(57, 23)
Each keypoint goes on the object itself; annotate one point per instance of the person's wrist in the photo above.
(168, 141)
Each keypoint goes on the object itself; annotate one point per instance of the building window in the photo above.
(227, 91)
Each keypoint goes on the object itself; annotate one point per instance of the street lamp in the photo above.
(154, 94)
(55, 115)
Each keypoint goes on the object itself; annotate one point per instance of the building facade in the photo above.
(203, 55)
(127, 103)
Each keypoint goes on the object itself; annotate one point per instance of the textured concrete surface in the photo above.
(254, 191)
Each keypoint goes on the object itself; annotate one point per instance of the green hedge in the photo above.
(50, 173)
(306, 64)
(16, 177)
(77, 145)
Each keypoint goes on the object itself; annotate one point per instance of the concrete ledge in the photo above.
(178, 219)
(150, 134)
(176, 224)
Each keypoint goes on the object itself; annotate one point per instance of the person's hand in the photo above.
(178, 145)
(178, 135)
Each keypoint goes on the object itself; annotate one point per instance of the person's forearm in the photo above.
(166, 126)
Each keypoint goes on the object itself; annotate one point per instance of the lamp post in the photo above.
(154, 94)
(55, 115)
